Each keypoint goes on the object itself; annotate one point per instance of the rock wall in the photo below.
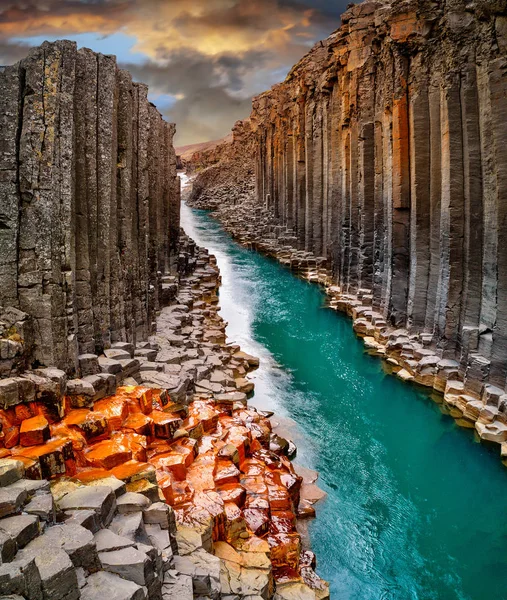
(224, 174)
(384, 154)
(89, 203)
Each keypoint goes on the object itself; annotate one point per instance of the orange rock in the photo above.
(32, 467)
(172, 462)
(226, 472)
(175, 492)
(233, 492)
(4, 453)
(254, 485)
(93, 425)
(285, 549)
(235, 523)
(133, 471)
(79, 444)
(23, 412)
(279, 498)
(11, 436)
(157, 447)
(194, 428)
(89, 474)
(165, 424)
(282, 522)
(257, 520)
(114, 409)
(142, 395)
(55, 457)
(108, 454)
(200, 475)
(138, 423)
(132, 441)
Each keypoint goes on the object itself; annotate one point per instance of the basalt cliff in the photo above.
(379, 168)
(131, 465)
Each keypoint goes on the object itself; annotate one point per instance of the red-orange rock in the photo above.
(285, 549)
(165, 424)
(114, 409)
(226, 472)
(108, 454)
(134, 470)
(138, 423)
(91, 424)
(233, 492)
(257, 520)
(55, 457)
(171, 462)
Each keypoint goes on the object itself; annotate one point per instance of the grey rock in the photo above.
(100, 499)
(108, 585)
(21, 528)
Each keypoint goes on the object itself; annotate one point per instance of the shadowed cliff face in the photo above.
(88, 191)
(385, 152)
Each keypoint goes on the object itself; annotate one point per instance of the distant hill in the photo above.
(186, 152)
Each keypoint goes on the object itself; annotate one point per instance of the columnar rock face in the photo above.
(385, 153)
(89, 202)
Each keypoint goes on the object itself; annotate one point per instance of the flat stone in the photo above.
(86, 518)
(11, 500)
(117, 485)
(100, 499)
(21, 528)
(57, 573)
(11, 470)
(108, 585)
(128, 563)
(106, 541)
(76, 541)
(177, 586)
(130, 526)
(43, 506)
(132, 502)
(8, 547)
(21, 576)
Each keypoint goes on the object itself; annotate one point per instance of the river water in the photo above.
(415, 508)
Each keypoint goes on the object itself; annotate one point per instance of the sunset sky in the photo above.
(203, 59)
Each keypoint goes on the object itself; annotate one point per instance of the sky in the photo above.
(203, 59)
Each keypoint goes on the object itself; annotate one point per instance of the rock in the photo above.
(177, 586)
(8, 547)
(21, 576)
(11, 500)
(57, 574)
(108, 585)
(106, 541)
(10, 471)
(128, 563)
(21, 528)
(129, 525)
(100, 499)
(132, 502)
(42, 506)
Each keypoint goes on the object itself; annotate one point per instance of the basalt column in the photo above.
(384, 153)
(89, 214)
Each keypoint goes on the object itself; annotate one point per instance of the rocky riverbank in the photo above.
(164, 485)
(376, 169)
(411, 357)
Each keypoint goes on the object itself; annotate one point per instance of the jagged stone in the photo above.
(108, 585)
(100, 499)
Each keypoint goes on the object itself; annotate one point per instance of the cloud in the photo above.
(211, 56)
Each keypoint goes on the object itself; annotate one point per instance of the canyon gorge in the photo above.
(157, 365)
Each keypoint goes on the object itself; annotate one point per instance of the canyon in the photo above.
(378, 169)
(139, 454)
(131, 464)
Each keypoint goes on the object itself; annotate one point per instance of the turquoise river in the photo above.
(415, 508)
